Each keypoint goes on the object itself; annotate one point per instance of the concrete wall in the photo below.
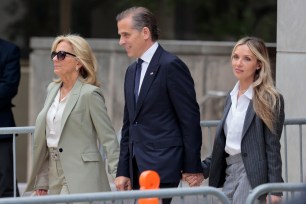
(291, 73)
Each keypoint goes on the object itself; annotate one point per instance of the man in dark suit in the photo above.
(9, 81)
(161, 125)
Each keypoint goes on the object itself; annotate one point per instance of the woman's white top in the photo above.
(54, 118)
(233, 126)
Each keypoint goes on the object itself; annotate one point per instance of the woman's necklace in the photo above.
(63, 93)
(242, 91)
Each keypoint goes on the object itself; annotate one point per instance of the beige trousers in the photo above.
(57, 181)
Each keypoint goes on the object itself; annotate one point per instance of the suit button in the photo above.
(60, 150)
(244, 154)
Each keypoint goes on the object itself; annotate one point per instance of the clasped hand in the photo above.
(193, 179)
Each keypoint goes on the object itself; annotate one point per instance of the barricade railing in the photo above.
(299, 122)
(293, 122)
(203, 195)
(15, 131)
(291, 192)
(209, 125)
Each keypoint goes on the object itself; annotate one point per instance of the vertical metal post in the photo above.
(286, 153)
(301, 154)
(14, 163)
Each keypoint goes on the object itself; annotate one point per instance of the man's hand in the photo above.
(123, 183)
(193, 179)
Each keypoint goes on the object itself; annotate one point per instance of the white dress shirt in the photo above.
(146, 57)
(54, 118)
(233, 126)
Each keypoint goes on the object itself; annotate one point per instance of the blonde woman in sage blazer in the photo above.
(74, 117)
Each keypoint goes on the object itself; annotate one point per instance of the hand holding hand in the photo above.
(193, 179)
(123, 183)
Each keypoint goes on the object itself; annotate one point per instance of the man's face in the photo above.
(133, 41)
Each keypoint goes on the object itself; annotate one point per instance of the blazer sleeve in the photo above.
(182, 94)
(42, 178)
(206, 166)
(123, 165)
(106, 133)
(9, 75)
(273, 146)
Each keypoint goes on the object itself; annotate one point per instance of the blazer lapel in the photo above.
(129, 87)
(248, 118)
(73, 98)
(51, 95)
(41, 121)
(227, 107)
(149, 78)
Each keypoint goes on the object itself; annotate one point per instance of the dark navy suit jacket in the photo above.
(260, 150)
(163, 129)
(9, 81)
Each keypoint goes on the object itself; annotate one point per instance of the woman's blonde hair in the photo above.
(266, 99)
(84, 53)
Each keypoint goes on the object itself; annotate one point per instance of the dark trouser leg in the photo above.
(168, 185)
(136, 174)
(6, 169)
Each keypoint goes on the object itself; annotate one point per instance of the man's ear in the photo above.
(146, 33)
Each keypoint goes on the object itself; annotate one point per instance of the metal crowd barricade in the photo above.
(295, 190)
(126, 197)
(299, 122)
(293, 122)
(15, 131)
(208, 125)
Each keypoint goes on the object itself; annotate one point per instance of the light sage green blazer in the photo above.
(84, 122)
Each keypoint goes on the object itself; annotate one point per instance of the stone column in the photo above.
(291, 73)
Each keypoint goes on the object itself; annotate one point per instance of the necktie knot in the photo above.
(139, 62)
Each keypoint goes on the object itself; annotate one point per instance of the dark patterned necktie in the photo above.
(137, 78)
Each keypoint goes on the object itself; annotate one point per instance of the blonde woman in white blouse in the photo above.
(246, 151)
(74, 117)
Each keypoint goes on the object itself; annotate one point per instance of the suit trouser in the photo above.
(6, 168)
(136, 174)
(57, 181)
(237, 185)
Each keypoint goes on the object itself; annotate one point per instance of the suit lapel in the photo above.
(49, 100)
(129, 87)
(41, 121)
(227, 107)
(51, 95)
(149, 78)
(248, 118)
(73, 98)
